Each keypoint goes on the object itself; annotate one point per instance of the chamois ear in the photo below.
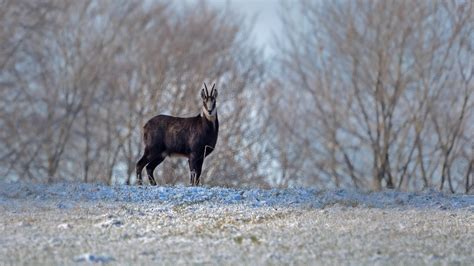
(204, 91)
(214, 91)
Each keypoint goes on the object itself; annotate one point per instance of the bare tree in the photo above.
(368, 83)
(80, 78)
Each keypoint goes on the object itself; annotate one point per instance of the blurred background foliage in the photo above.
(365, 94)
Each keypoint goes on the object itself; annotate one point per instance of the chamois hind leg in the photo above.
(139, 167)
(195, 167)
(154, 162)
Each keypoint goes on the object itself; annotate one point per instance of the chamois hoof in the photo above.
(193, 178)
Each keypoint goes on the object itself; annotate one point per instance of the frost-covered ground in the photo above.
(83, 223)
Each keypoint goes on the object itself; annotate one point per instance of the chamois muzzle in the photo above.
(211, 109)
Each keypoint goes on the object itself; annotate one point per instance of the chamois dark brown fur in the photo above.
(191, 137)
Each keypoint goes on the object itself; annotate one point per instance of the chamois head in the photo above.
(209, 102)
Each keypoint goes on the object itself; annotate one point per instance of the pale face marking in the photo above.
(209, 109)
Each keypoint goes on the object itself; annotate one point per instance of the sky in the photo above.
(267, 23)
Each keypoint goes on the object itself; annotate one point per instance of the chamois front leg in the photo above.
(195, 167)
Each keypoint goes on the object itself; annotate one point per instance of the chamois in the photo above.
(191, 137)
